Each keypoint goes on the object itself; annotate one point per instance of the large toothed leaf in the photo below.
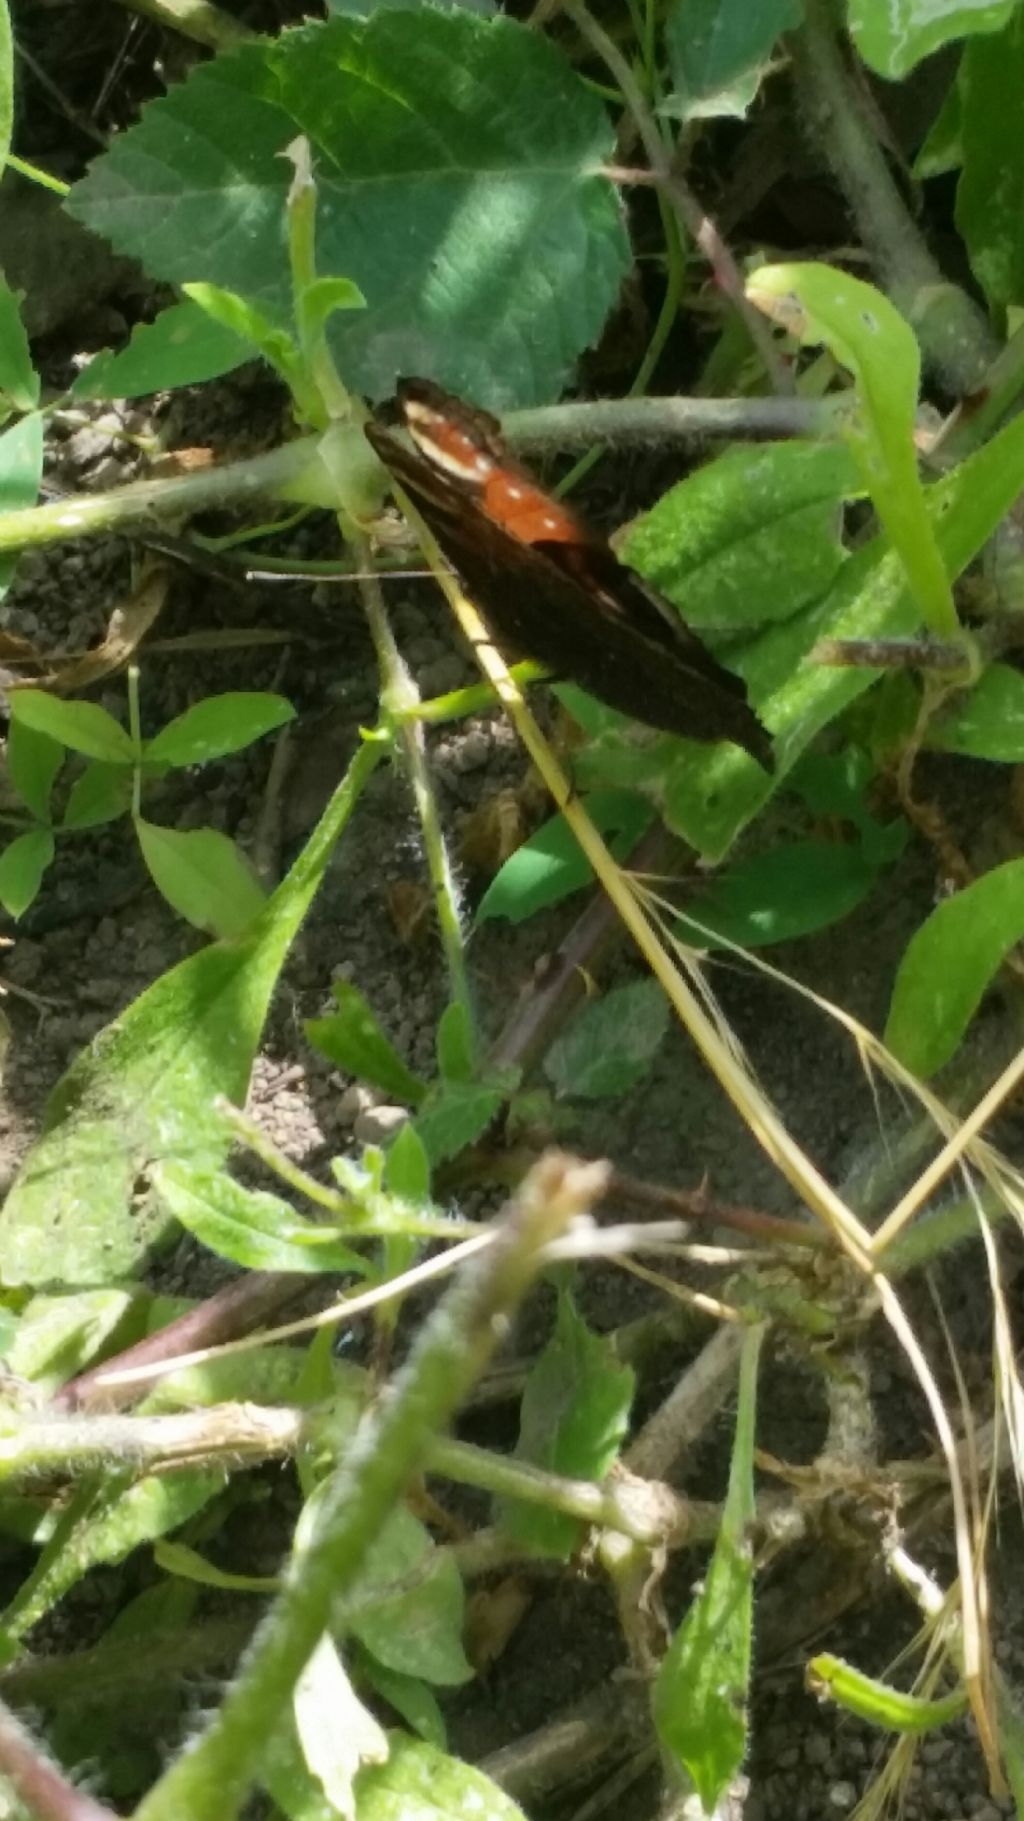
(457, 163)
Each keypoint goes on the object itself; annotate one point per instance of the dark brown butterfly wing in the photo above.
(575, 608)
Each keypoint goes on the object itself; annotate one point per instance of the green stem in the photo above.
(86, 515)
(952, 330)
(400, 697)
(209, 1783)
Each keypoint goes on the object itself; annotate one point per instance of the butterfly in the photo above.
(550, 587)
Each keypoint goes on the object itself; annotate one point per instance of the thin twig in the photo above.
(688, 211)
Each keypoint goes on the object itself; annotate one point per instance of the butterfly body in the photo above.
(548, 585)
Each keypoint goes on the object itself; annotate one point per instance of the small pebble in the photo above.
(376, 1125)
(842, 1796)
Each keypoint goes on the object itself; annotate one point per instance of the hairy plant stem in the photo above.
(210, 1781)
(953, 332)
(400, 695)
(195, 19)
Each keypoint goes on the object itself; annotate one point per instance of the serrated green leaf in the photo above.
(750, 537)
(894, 35)
(418, 1630)
(609, 1044)
(33, 761)
(458, 168)
(988, 722)
(420, 1783)
(717, 50)
(83, 726)
(218, 725)
(251, 1227)
(948, 964)
(353, 1040)
(101, 794)
(990, 195)
(573, 1420)
(19, 381)
(203, 876)
(22, 865)
(144, 1089)
(455, 1116)
(551, 865)
(776, 896)
(708, 794)
(182, 346)
(700, 1692)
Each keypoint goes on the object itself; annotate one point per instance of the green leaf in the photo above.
(717, 50)
(609, 1044)
(551, 865)
(203, 876)
(943, 149)
(101, 794)
(863, 330)
(83, 726)
(249, 1226)
(337, 1734)
(750, 537)
(990, 195)
(573, 1421)
(948, 964)
(352, 1039)
(249, 323)
(21, 468)
(894, 35)
(455, 1060)
(33, 761)
(410, 1697)
(420, 1783)
(19, 380)
(418, 1630)
(183, 346)
(106, 1528)
(6, 83)
(456, 1115)
(361, 9)
(459, 185)
(987, 723)
(218, 725)
(700, 1692)
(144, 1089)
(789, 891)
(58, 1336)
(407, 1168)
(708, 794)
(323, 297)
(188, 1565)
(22, 865)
